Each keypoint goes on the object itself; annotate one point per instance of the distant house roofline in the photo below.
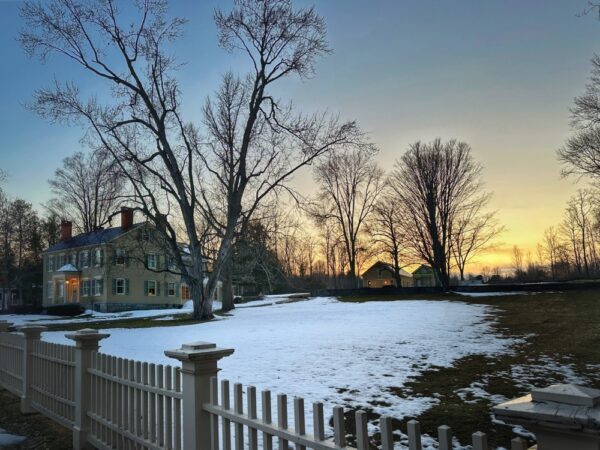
(97, 237)
(387, 266)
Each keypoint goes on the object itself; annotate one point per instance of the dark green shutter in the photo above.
(101, 286)
(114, 286)
(157, 288)
(126, 286)
(146, 288)
(177, 289)
(101, 257)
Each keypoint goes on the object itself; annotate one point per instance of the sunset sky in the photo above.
(497, 74)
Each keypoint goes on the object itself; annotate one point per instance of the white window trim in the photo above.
(149, 294)
(97, 257)
(85, 259)
(169, 289)
(50, 263)
(120, 253)
(96, 293)
(155, 265)
(117, 286)
(85, 282)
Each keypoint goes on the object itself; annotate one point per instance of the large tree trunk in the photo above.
(227, 278)
(195, 280)
(202, 304)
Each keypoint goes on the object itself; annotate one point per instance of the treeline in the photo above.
(567, 251)
(24, 234)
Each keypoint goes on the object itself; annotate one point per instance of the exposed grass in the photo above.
(42, 433)
(560, 327)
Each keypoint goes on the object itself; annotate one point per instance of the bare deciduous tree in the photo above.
(349, 183)
(387, 230)
(517, 258)
(88, 190)
(256, 141)
(474, 232)
(138, 120)
(437, 183)
(581, 153)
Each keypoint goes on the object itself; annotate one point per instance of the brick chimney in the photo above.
(66, 230)
(126, 218)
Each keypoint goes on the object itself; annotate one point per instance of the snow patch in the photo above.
(9, 439)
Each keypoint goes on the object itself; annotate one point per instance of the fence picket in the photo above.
(214, 419)
(445, 437)
(414, 435)
(299, 420)
(169, 409)
(318, 421)
(339, 429)
(480, 441)
(160, 426)
(177, 413)
(266, 418)
(225, 423)
(282, 416)
(238, 405)
(252, 414)
(387, 437)
(152, 404)
(362, 433)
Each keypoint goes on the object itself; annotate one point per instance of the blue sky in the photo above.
(499, 74)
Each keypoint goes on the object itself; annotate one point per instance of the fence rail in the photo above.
(116, 403)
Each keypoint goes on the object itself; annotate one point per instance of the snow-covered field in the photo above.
(347, 354)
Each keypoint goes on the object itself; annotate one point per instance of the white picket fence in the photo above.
(116, 403)
(53, 381)
(135, 405)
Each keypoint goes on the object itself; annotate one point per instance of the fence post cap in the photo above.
(199, 351)
(32, 331)
(568, 394)
(87, 338)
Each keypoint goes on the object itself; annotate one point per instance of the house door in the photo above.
(74, 292)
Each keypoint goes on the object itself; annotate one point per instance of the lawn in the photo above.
(441, 359)
(556, 339)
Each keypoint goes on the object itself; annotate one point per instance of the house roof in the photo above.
(386, 266)
(423, 270)
(92, 238)
(68, 268)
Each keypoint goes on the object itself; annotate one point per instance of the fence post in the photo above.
(86, 343)
(31, 334)
(199, 364)
(562, 416)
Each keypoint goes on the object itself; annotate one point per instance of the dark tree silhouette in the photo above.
(439, 185)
